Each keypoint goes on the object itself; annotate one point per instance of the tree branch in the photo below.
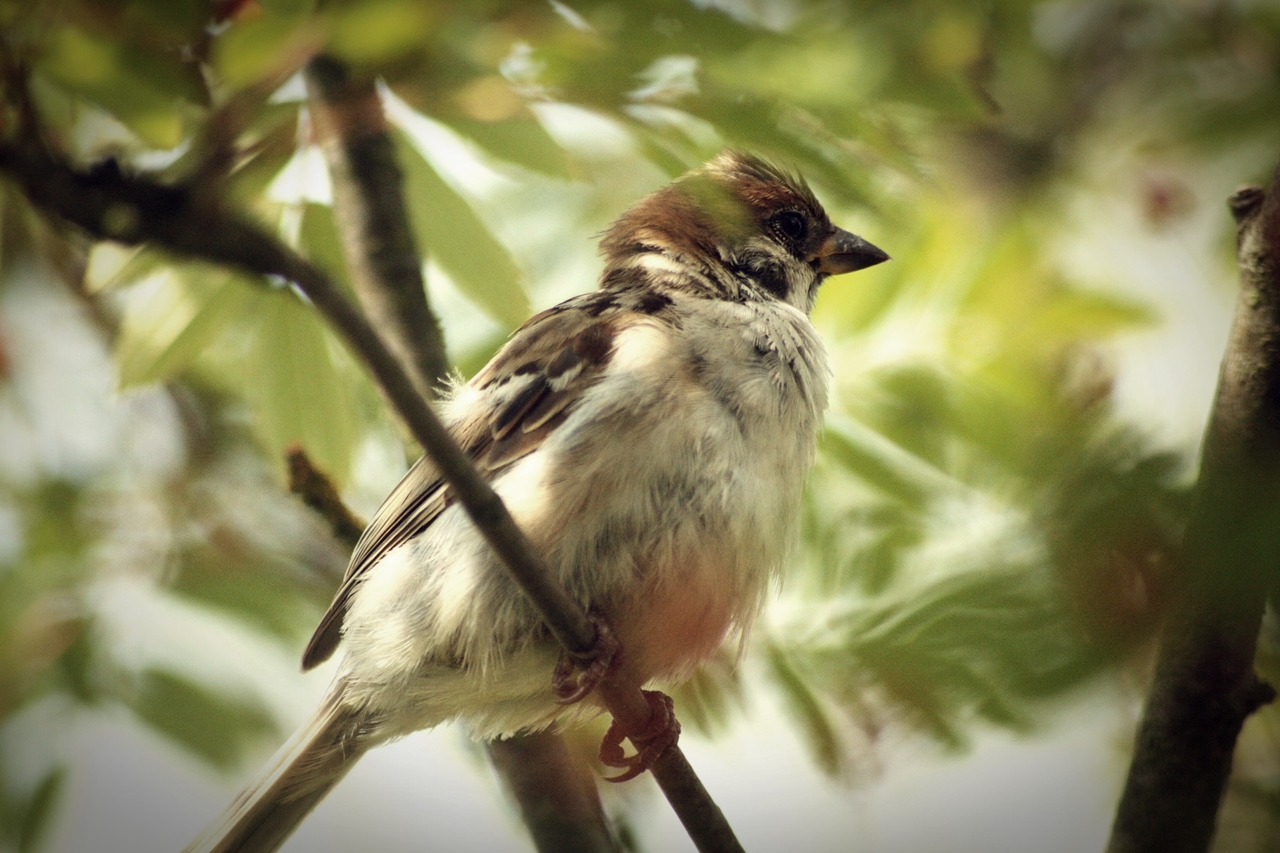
(368, 203)
(1205, 687)
(131, 209)
(558, 797)
(557, 793)
(558, 804)
(318, 492)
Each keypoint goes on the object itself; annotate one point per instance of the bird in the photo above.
(650, 437)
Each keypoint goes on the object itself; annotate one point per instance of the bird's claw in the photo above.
(594, 665)
(660, 735)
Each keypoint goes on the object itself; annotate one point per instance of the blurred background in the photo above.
(959, 654)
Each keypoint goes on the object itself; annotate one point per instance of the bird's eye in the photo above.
(791, 224)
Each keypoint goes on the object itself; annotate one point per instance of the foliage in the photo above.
(980, 531)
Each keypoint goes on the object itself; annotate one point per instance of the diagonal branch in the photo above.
(111, 205)
(1204, 686)
(557, 794)
(560, 806)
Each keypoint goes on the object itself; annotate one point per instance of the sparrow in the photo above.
(651, 438)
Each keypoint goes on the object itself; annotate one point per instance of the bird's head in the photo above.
(739, 228)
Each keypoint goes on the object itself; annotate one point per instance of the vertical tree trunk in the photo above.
(1205, 687)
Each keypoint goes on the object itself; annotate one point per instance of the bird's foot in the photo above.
(660, 735)
(593, 666)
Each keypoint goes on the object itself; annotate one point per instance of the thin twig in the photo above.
(131, 209)
(318, 492)
(1204, 686)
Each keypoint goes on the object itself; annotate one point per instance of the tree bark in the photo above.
(1205, 687)
(560, 807)
(369, 206)
(557, 794)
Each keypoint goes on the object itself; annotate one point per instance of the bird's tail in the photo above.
(297, 777)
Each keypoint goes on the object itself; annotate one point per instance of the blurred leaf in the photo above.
(111, 274)
(378, 30)
(40, 809)
(76, 668)
(164, 22)
(1074, 315)
(184, 310)
(217, 728)
(320, 242)
(266, 49)
(227, 303)
(855, 308)
(52, 526)
(876, 459)
(144, 90)
(456, 238)
(876, 565)
(520, 139)
(914, 409)
(297, 392)
(272, 151)
(706, 699)
(231, 576)
(819, 730)
(980, 642)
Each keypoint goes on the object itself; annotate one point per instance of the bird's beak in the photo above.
(844, 252)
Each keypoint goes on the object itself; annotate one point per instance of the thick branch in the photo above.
(134, 210)
(1205, 686)
(557, 794)
(369, 205)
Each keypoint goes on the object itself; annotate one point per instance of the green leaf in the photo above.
(280, 598)
(378, 30)
(39, 809)
(265, 49)
(277, 145)
(877, 460)
(520, 139)
(706, 699)
(454, 235)
(1080, 315)
(229, 302)
(216, 727)
(143, 90)
(807, 707)
(114, 266)
(297, 392)
(319, 240)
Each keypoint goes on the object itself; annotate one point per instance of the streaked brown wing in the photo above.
(529, 387)
(413, 504)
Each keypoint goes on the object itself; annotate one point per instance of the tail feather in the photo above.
(285, 791)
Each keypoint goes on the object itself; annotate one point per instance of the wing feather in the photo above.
(527, 390)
